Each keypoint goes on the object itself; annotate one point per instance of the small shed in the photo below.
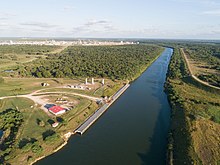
(54, 125)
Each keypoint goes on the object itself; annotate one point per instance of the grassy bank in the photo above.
(32, 137)
(195, 117)
(35, 137)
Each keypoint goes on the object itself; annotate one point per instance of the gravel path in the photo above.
(38, 98)
(192, 75)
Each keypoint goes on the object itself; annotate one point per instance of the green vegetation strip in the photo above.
(115, 62)
(28, 132)
(193, 138)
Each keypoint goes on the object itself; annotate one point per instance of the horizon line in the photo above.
(135, 38)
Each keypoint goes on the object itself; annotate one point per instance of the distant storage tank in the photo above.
(86, 81)
(92, 80)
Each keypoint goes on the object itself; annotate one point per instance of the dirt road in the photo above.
(38, 98)
(191, 73)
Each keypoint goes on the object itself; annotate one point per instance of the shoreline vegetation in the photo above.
(195, 114)
(158, 54)
(61, 136)
(69, 134)
(195, 117)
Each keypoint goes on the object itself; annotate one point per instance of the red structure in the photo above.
(57, 110)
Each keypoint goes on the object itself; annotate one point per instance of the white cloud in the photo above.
(96, 22)
(38, 24)
(94, 26)
(204, 2)
(102, 28)
(68, 8)
(6, 16)
(105, 28)
(212, 12)
(209, 2)
(3, 18)
(3, 24)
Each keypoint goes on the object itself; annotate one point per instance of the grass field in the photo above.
(13, 56)
(195, 117)
(97, 90)
(15, 86)
(33, 114)
(30, 128)
(204, 62)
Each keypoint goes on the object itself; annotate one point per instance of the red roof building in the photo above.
(57, 110)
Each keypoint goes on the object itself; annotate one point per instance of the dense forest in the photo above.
(115, 62)
(25, 49)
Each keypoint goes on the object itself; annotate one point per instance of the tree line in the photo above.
(25, 49)
(115, 62)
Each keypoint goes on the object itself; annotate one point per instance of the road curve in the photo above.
(192, 75)
(72, 93)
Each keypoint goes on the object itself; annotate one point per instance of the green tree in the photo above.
(46, 74)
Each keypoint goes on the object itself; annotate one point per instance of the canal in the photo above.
(134, 129)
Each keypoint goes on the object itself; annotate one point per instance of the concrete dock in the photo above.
(83, 127)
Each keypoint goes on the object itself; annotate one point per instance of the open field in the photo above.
(15, 86)
(193, 71)
(195, 116)
(33, 115)
(31, 133)
(204, 61)
(28, 96)
(96, 90)
(13, 57)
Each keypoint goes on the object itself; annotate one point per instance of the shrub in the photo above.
(52, 138)
(40, 123)
(36, 148)
(27, 147)
(1, 80)
(48, 133)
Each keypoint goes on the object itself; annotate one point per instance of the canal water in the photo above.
(133, 131)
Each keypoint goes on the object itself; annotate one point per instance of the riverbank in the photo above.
(95, 116)
(32, 140)
(117, 95)
(149, 64)
(65, 138)
(100, 111)
(194, 119)
(60, 147)
(131, 129)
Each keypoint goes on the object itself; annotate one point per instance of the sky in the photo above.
(164, 19)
